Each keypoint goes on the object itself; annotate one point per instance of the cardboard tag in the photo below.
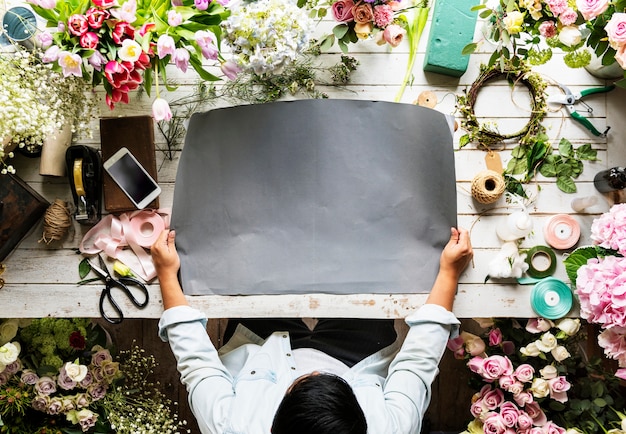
(494, 162)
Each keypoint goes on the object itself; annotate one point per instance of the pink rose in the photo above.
(477, 408)
(558, 388)
(495, 367)
(493, 399)
(506, 381)
(78, 24)
(536, 413)
(89, 40)
(494, 424)
(524, 421)
(539, 325)
(552, 428)
(509, 413)
(342, 11)
(45, 386)
(393, 34)
(524, 373)
(495, 337)
(523, 398)
(557, 7)
(591, 8)
(363, 13)
(616, 29)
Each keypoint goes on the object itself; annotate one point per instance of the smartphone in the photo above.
(132, 178)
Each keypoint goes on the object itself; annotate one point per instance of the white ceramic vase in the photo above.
(52, 161)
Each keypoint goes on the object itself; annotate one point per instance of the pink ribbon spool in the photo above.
(562, 231)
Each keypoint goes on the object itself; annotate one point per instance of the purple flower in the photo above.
(206, 42)
(97, 391)
(51, 54)
(96, 60)
(174, 18)
(161, 110)
(45, 39)
(55, 406)
(71, 64)
(40, 403)
(165, 46)
(230, 69)
(201, 5)
(181, 58)
(45, 386)
(100, 355)
(29, 377)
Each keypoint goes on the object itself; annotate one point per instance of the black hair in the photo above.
(319, 404)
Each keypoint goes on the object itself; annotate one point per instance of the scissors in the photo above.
(123, 284)
(570, 98)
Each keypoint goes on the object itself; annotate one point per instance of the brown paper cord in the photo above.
(488, 186)
(426, 99)
(56, 222)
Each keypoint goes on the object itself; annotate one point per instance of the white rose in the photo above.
(548, 372)
(570, 36)
(530, 350)
(540, 388)
(569, 326)
(8, 330)
(9, 352)
(573, 431)
(560, 353)
(75, 371)
(547, 342)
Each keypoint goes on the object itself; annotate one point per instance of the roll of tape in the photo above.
(541, 262)
(551, 298)
(77, 173)
(488, 186)
(562, 231)
(146, 227)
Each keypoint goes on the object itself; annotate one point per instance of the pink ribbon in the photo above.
(137, 230)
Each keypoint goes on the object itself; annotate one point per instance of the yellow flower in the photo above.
(122, 269)
(513, 22)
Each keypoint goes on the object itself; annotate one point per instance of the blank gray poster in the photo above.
(314, 196)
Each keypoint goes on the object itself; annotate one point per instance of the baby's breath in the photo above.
(36, 101)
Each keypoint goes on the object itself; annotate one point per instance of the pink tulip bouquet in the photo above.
(598, 276)
(124, 44)
(531, 377)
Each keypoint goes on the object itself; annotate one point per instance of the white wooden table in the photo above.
(41, 280)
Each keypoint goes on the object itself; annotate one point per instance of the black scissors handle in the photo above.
(123, 284)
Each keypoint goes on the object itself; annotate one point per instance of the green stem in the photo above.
(415, 33)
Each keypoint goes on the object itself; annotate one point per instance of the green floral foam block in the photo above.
(452, 28)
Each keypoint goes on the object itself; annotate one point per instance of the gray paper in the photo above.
(314, 196)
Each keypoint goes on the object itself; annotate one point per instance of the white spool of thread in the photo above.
(516, 225)
(580, 203)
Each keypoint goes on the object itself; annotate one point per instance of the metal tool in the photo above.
(123, 284)
(569, 99)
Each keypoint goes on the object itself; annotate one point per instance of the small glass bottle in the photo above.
(610, 180)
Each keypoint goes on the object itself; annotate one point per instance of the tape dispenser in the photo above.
(84, 168)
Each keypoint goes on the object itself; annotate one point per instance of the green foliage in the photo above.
(580, 256)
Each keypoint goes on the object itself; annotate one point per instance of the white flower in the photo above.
(540, 388)
(9, 353)
(75, 371)
(8, 330)
(548, 372)
(570, 36)
(266, 35)
(508, 262)
(547, 342)
(569, 325)
(530, 350)
(560, 353)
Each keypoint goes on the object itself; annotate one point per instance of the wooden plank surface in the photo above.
(41, 279)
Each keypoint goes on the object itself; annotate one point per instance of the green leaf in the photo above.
(548, 168)
(577, 259)
(327, 42)
(84, 267)
(464, 140)
(301, 3)
(599, 402)
(469, 49)
(477, 7)
(485, 14)
(565, 148)
(566, 184)
(340, 30)
(586, 152)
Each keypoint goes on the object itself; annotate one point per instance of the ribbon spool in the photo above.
(541, 262)
(146, 228)
(562, 232)
(551, 298)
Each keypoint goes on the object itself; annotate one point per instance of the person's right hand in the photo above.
(164, 254)
(457, 254)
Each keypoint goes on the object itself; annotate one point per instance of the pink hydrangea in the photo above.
(609, 230)
(383, 15)
(613, 341)
(601, 290)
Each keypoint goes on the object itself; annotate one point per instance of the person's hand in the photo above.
(457, 253)
(164, 254)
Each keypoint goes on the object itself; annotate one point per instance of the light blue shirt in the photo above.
(238, 390)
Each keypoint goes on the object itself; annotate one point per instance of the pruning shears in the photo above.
(569, 99)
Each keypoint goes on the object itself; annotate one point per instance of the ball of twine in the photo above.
(56, 222)
(488, 186)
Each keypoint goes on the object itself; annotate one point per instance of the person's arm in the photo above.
(454, 258)
(167, 264)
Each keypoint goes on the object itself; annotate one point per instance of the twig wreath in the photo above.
(487, 135)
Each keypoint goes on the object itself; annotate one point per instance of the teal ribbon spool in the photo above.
(19, 24)
(551, 298)
(541, 251)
